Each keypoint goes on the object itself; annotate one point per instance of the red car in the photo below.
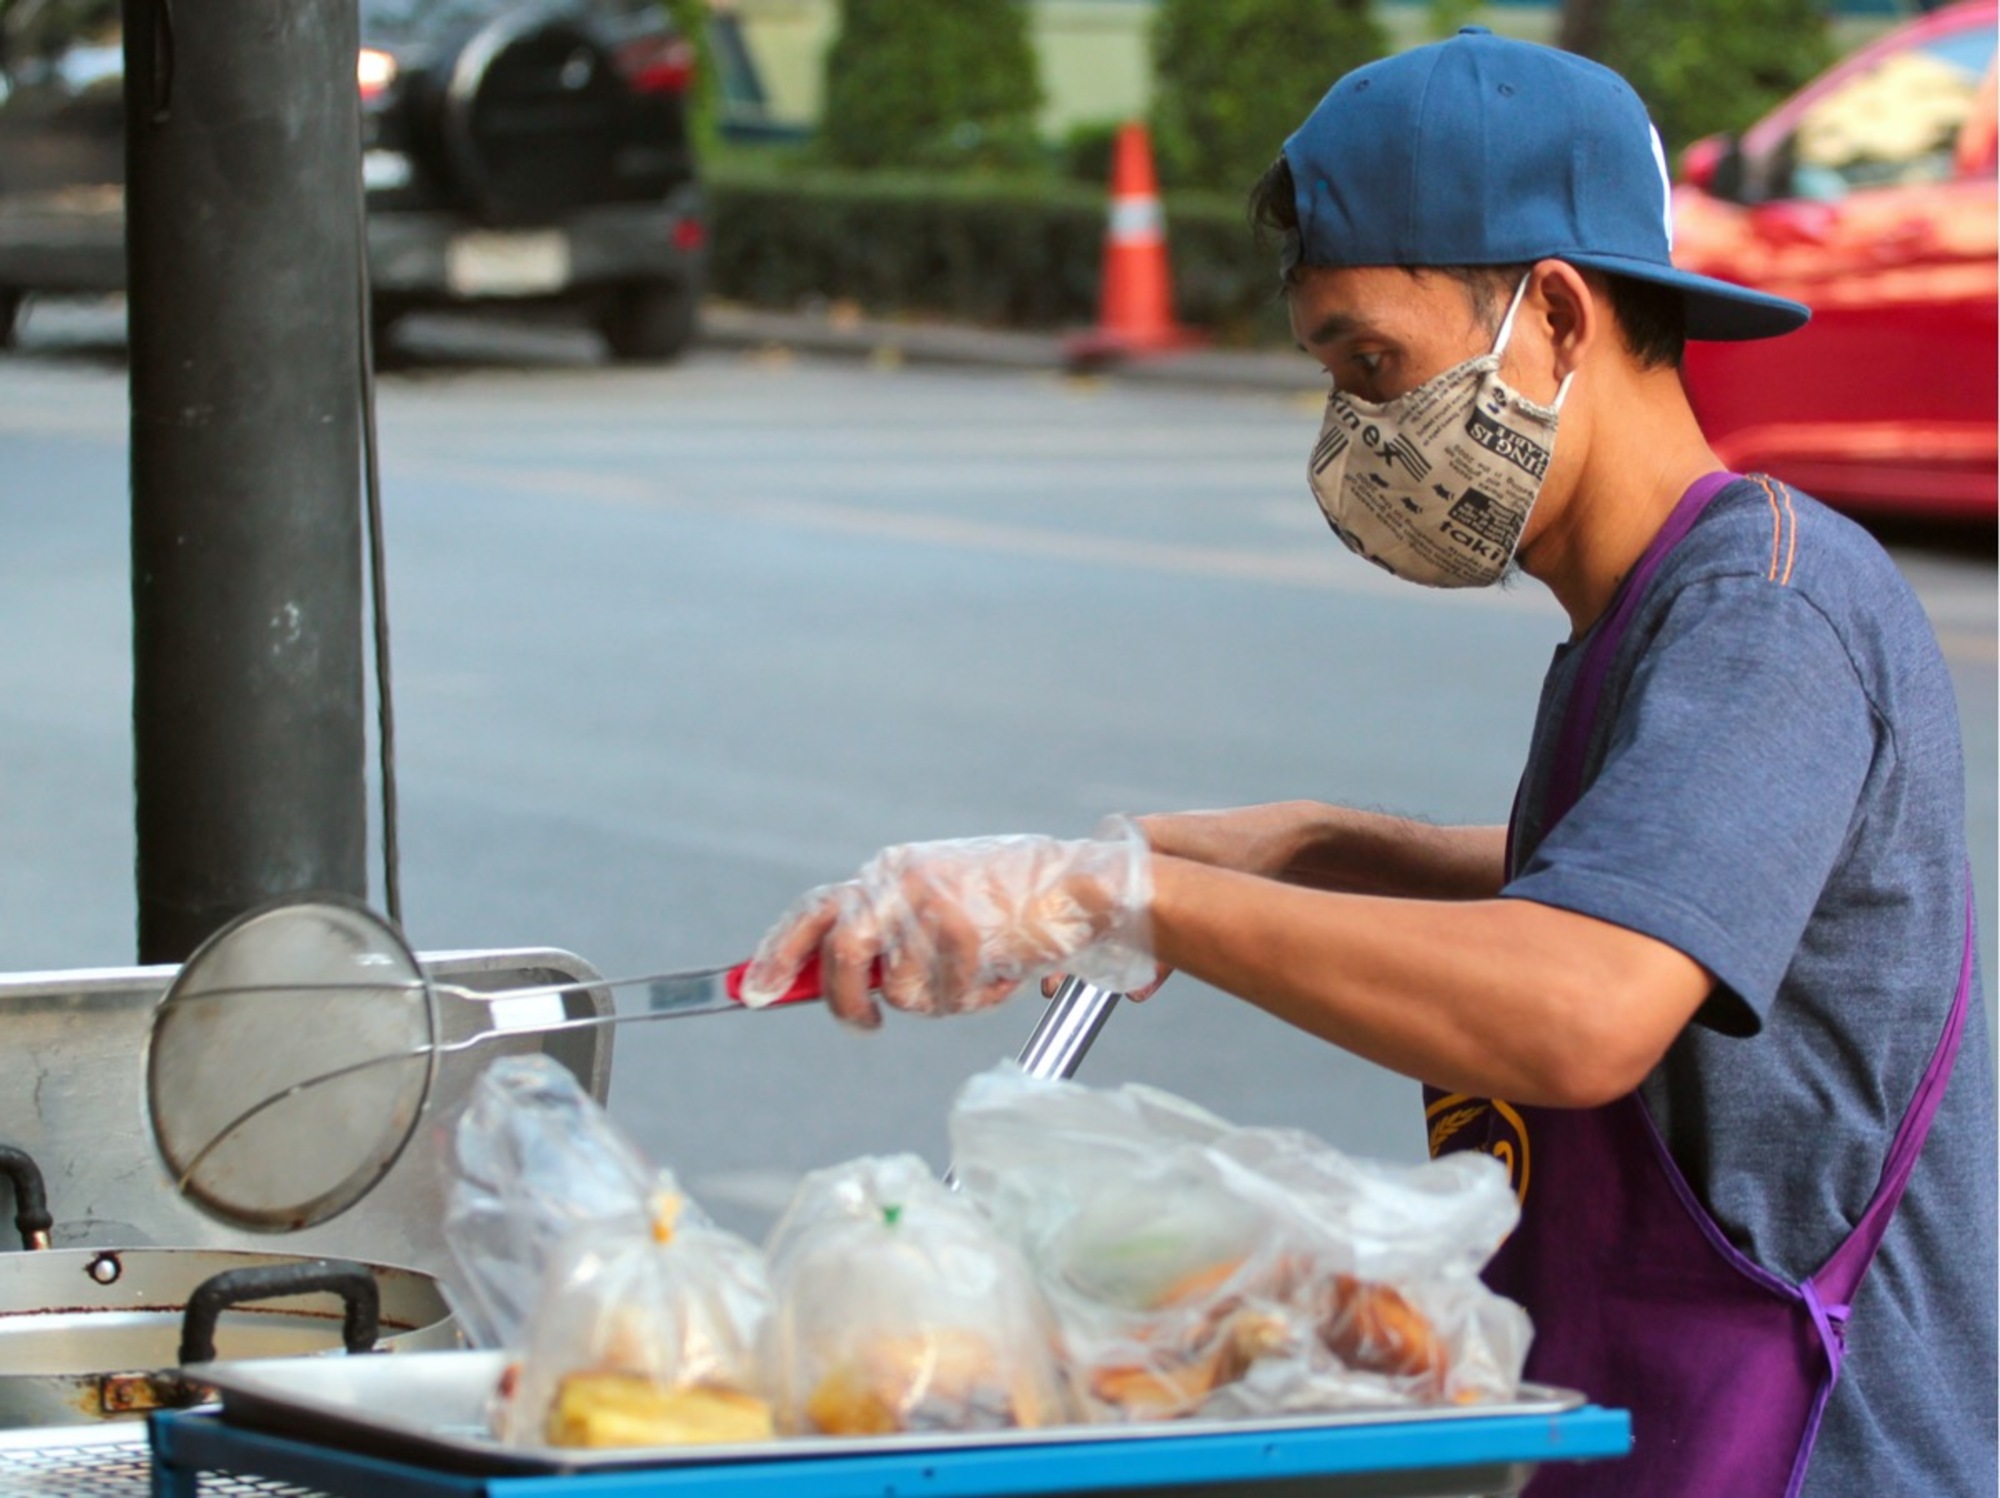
(1870, 197)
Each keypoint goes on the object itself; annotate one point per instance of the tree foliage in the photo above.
(931, 83)
(1233, 80)
(690, 18)
(1709, 65)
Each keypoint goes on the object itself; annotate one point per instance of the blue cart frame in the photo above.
(1392, 1460)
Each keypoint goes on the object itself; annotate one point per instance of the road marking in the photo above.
(1322, 568)
(1327, 568)
(1329, 571)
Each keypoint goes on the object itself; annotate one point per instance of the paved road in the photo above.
(673, 645)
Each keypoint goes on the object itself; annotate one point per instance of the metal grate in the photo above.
(120, 1467)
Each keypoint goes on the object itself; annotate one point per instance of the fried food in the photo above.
(1211, 1325)
(943, 1379)
(629, 1409)
(847, 1402)
(1371, 1326)
(1191, 1363)
(1143, 1393)
(1199, 1285)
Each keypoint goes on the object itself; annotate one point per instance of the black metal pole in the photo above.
(242, 233)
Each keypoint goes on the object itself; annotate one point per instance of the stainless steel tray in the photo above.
(429, 1409)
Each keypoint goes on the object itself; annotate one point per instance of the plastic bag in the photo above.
(534, 1157)
(646, 1339)
(900, 1309)
(1195, 1267)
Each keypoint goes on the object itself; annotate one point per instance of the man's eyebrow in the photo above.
(1333, 325)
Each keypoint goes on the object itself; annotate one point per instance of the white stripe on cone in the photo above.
(1137, 221)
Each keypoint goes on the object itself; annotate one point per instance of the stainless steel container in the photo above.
(73, 1094)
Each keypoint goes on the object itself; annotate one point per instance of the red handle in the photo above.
(805, 987)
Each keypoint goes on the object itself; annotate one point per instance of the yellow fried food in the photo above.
(941, 1379)
(847, 1403)
(628, 1409)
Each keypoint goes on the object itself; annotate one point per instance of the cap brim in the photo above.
(1716, 310)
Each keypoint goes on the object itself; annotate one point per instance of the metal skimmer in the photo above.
(275, 1112)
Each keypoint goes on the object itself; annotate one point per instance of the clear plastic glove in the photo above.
(957, 925)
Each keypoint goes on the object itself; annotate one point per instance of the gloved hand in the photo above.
(958, 924)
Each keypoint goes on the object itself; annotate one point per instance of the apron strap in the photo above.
(1840, 1276)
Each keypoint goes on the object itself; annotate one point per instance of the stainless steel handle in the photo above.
(1062, 1037)
(1068, 1026)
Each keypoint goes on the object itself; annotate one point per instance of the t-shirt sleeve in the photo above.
(1728, 789)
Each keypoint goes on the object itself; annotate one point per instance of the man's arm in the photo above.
(1500, 998)
(1338, 848)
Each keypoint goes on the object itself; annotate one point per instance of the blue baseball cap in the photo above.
(1480, 150)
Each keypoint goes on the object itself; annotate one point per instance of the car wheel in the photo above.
(11, 302)
(649, 322)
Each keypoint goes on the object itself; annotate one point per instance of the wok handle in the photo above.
(31, 1199)
(353, 1283)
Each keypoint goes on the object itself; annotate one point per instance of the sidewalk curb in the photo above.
(726, 325)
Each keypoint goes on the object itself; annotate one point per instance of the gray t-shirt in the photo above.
(1775, 787)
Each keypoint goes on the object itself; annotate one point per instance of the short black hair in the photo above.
(1652, 319)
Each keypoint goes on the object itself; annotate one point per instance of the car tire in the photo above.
(648, 322)
(11, 303)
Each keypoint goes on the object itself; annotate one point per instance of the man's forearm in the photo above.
(1501, 998)
(1338, 848)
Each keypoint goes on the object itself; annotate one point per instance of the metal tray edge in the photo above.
(255, 1396)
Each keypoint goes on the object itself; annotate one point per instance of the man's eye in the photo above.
(1370, 362)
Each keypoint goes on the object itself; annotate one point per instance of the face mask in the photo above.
(1435, 486)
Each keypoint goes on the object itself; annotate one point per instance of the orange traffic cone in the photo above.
(1135, 309)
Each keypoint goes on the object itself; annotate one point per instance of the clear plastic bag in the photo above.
(638, 1322)
(646, 1339)
(1199, 1268)
(900, 1309)
(534, 1157)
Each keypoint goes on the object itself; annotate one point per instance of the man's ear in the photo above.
(1572, 309)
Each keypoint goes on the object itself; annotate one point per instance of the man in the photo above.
(1711, 996)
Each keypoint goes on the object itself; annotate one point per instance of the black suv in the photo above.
(509, 152)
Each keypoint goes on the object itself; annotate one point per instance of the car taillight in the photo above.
(656, 64)
(375, 71)
(690, 234)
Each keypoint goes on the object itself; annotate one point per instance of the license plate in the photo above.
(493, 264)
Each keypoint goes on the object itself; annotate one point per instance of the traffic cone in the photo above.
(1135, 308)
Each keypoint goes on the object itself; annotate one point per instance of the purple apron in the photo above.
(1637, 1296)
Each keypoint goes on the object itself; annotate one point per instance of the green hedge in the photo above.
(993, 251)
(931, 83)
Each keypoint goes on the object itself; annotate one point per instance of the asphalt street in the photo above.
(673, 645)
